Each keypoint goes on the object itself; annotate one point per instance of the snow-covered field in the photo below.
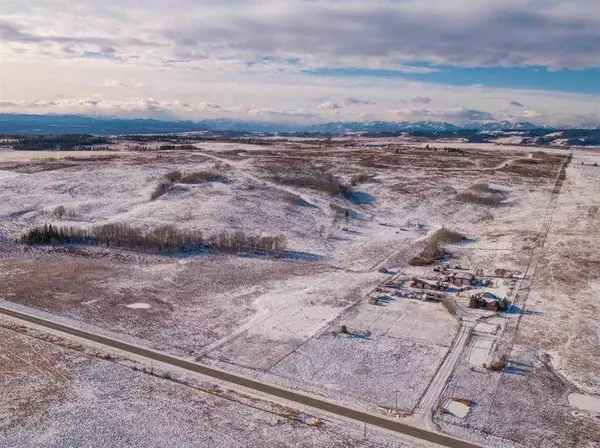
(279, 319)
(57, 397)
(556, 347)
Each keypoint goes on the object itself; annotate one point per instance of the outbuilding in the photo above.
(422, 283)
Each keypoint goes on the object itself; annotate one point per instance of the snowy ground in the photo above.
(279, 319)
(555, 352)
(59, 397)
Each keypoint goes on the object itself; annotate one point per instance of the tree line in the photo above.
(67, 142)
(166, 238)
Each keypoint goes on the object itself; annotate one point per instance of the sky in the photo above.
(304, 61)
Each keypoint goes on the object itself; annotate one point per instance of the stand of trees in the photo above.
(166, 238)
(69, 142)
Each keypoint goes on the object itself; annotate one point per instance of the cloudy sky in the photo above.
(304, 60)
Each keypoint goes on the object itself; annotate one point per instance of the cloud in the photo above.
(323, 33)
(10, 32)
(516, 104)
(208, 106)
(124, 84)
(351, 101)
(329, 105)
(421, 99)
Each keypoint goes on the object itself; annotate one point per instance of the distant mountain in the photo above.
(503, 126)
(378, 126)
(81, 124)
(226, 125)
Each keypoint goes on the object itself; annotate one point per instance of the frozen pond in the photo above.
(139, 306)
(7, 174)
(585, 402)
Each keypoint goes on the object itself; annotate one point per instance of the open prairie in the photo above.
(317, 314)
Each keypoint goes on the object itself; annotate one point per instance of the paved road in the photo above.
(314, 402)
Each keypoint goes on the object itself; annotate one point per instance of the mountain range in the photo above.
(11, 124)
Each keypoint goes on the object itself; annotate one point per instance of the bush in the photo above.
(446, 235)
(483, 187)
(337, 209)
(500, 364)
(481, 194)
(429, 255)
(173, 176)
(432, 252)
(61, 212)
(161, 189)
(473, 198)
(202, 176)
(361, 178)
(326, 185)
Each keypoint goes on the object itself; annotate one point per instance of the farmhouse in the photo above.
(461, 278)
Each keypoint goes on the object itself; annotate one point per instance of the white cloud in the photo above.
(317, 33)
(195, 59)
(208, 106)
(329, 105)
(135, 85)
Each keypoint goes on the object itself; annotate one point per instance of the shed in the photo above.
(423, 283)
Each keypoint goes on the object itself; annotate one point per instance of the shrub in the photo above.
(500, 364)
(161, 189)
(202, 176)
(59, 212)
(173, 176)
(483, 187)
(473, 198)
(446, 235)
(337, 209)
(432, 252)
(481, 194)
(429, 255)
(327, 185)
(361, 178)
(295, 199)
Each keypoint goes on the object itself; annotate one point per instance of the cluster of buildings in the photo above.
(459, 279)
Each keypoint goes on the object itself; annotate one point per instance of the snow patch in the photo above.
(139, 306)
(457, 409)
(585, 402)
(8, 174)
